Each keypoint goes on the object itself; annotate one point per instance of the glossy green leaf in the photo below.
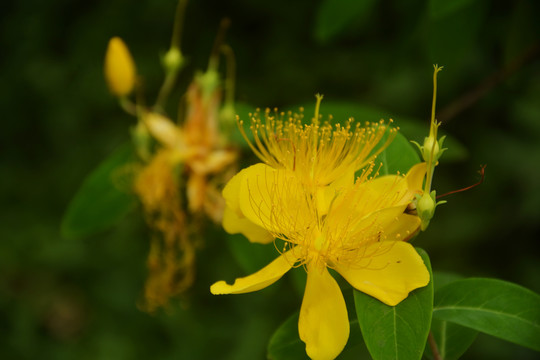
(495, 307)
(99, 202)
(452, 340)
(336, 16)
(285, 343)
(396, 332)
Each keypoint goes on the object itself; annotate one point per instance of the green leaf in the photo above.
(335, 16)
(251, 256)
(495, 307)
(99, 203)
(397, 332)
(399, 156)
(285, 343)
(442, 278)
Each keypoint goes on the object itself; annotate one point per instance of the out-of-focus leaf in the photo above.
(495, 307)
(441, 8)
(335, 16)
(285, 343)
(251, 256)
(298, 278)
(397, 332)
(99, 203)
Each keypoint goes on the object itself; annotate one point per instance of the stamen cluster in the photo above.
(319, 154)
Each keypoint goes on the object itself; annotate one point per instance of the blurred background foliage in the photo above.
(61, 299)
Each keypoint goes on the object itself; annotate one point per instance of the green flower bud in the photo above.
(426, 208)
(173, 59)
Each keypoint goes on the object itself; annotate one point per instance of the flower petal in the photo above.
(386, 224)
(389, 271)
(402, 228)
(164, 130)
(327, 194)
(276, 200)
(415, 177)
(323, 323)
(233, 224)
(259, 280)
(231, 192)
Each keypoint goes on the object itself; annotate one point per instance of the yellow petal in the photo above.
(119, 68)
(276, 200)
(389, 271)
(402, 228)
(327, 194)
(259, 280)
(217, 160)
(323, 323)
(233, 224)
(367, 197)
(415, 177)
(386, 224)
(231, 192)
(164, 131)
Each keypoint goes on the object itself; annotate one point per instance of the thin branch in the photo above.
(433, 347)
(482, 173)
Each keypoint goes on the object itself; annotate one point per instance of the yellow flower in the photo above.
(195, 145)
(119, 68)
(357, 230)
(318, 154)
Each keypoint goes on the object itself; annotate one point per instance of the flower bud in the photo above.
(426, 209)
(119, 68)
(173, 59)
(430, 150)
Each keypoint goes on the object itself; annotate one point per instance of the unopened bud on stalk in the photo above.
(173, 60)
(119, 68)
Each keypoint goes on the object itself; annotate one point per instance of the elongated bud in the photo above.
(119, 68)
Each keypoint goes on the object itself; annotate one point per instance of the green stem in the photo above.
(178, 24)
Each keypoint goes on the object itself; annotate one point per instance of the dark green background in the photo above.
(65, 299)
